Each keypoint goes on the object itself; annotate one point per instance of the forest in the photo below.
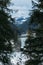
(29, 50)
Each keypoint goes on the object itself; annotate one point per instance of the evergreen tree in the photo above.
(34, 43)
(6, 31)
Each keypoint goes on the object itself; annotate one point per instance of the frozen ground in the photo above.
(18, 58)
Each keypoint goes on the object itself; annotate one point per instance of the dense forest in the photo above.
(34, 43)
(33, 47)
(7, 32)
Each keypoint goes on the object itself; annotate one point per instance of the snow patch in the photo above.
(18, 58)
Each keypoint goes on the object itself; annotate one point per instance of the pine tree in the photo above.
(34, 43)
(7, 33)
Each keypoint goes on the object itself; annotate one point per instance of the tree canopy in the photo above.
(34, 43)
(7, 32)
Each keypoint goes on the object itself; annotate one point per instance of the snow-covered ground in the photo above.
(1, 63)
(23, 39)
(23, 42)
(18, 58)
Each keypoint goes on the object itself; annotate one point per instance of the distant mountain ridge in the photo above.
(20, 20)
(23, 28)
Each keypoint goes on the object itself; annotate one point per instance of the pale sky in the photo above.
(22, 3)
(21, 7)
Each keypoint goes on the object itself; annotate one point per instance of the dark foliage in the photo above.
(34, 43)
(7, 33)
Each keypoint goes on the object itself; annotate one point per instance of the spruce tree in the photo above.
(34, 43)
(7, 33)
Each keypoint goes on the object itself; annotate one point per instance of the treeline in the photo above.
(7, 31)
(34, 43)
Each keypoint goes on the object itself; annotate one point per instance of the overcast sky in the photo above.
(21, 8)
(22, 3)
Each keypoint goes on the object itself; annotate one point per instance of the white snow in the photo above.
(1, 63)
(23, 42)
(23, 39)
(18, 58)
(35, 1)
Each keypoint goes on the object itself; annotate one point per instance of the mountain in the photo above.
(23, 28)
(20, 28)
(20, 20)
